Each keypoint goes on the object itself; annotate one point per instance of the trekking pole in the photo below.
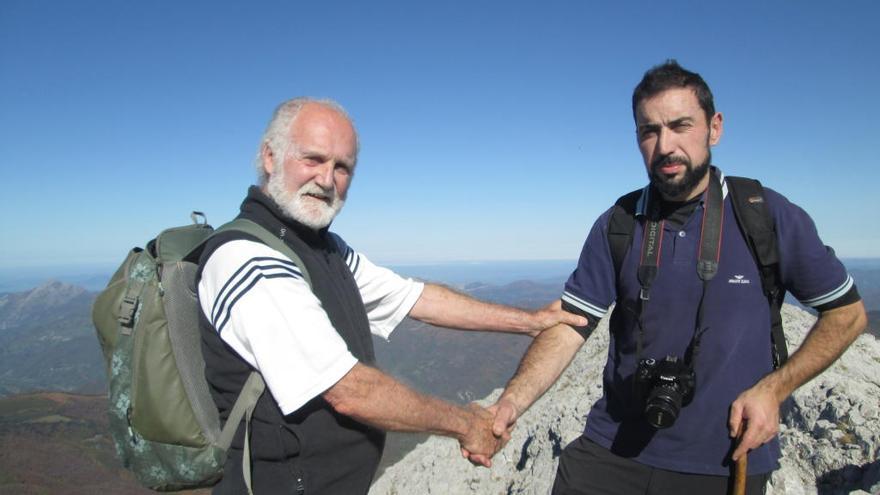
(739, 471)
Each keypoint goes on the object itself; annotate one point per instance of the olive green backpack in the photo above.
(163, 420)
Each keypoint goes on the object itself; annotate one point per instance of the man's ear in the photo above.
(716, 128)
(267, 158)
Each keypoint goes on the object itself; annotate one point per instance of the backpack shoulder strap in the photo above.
(243, 408)
(754, 218)
(254, 386)
(620, 227)
(759, 230)
(269, 239)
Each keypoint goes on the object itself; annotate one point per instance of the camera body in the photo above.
(665, 386)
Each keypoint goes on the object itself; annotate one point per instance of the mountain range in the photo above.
(49, 358)
(48, 346)
(47, 341)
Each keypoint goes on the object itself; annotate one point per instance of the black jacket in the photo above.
(315, 449)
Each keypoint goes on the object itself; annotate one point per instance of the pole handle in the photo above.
(740, 469)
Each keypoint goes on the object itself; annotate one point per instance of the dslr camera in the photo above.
(665, 386)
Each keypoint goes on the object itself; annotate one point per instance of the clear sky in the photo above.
(489, 130)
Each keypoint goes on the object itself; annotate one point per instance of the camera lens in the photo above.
(663, 406)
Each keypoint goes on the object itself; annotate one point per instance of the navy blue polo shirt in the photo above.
(735, 349)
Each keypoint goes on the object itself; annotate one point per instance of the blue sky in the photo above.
(489, 130)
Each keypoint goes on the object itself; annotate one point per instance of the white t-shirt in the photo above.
(258, 301)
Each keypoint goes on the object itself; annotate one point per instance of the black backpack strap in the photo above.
(759, 229)
(621, 226)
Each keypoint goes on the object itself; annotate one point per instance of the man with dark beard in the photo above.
(318, 428)
(689, 362)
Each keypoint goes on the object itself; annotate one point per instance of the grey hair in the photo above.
(277, 133)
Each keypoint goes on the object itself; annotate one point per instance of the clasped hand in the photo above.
(490, 431)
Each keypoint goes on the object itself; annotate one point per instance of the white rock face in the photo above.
(830, 434)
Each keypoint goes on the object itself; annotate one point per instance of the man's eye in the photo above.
(312, 160)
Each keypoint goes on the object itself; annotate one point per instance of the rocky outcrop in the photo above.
(830, 433)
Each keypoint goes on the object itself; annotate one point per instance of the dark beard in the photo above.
(692, 175)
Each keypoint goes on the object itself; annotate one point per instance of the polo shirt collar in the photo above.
(646, 197)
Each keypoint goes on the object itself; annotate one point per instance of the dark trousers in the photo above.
(587, 468)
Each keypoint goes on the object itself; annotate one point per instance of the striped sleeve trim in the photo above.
(350, 256)
(831, 296)
(584, 306)
(244, 279)
(352, 259)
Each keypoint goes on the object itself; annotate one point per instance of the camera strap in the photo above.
(707, 259)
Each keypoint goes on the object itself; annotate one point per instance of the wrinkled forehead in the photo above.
(669, 104)
(324, 128)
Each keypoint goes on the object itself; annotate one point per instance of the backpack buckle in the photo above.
(127, 308)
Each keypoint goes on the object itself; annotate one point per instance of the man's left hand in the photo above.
(552, 315)
(756, 410)
(505, 413)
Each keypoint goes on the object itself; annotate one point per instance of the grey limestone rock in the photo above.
(830, 431)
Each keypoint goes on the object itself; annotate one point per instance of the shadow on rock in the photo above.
(850, 478)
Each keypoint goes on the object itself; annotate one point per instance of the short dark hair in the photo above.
(669, 75)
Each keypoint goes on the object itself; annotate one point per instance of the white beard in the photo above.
(300, 205)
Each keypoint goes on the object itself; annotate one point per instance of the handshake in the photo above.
(488, 431)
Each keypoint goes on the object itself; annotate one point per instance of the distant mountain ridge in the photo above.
(51, 301)
(47, 341)
(39, 351)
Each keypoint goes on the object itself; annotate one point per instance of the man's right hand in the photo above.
(479, 443)
(505, 414)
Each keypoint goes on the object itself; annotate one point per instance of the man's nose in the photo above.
(324, 175)
(665, 142)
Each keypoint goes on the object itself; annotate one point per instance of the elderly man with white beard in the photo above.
(318, 428)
